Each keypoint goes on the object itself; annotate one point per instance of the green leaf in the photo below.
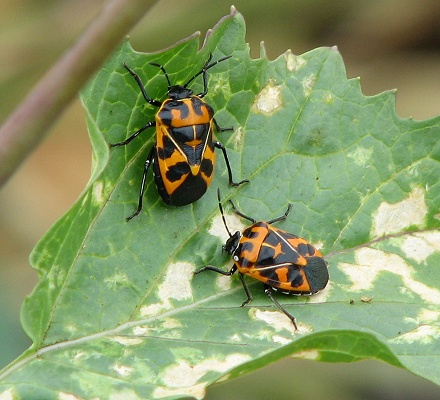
(118, 311)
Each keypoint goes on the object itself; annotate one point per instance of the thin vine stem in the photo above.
(30, 121)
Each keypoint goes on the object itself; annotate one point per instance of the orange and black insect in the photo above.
(183, 156)
(281, 260)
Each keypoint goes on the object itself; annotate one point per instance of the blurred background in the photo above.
(389, 44)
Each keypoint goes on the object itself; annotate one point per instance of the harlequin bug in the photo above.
(281, 260)
(183, 156)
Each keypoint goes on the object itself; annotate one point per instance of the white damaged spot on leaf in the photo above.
(293, 62)
(117, 280)
(140, 330)
(329, 98)
(175, 286)
(392, 218)
(71, 327)
(79, 355)
(152, 309)
(428, 316)
(235, 338)
(307, 355)
(197, 391)
(318, 245)
(122, 370)
(425, 317)
(223, 282)
(219, 83)
(370, 262)
(268, 100)
(238, 138)
(171, 323)
(218, 229)
(98, 195)
(308, 84)
(182, 377)
(281, 340)
(361, 156)
(7, 395)
(419, 246)
(124, 394)
(66, 396)
(424, 334)
(169, 329)
(126, 341)
(275, 319)
(56, 276)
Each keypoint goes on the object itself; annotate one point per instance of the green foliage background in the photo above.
(338, 156)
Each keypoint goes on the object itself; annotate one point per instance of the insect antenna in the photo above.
(164, 72)
(206, 66)
(221, 211)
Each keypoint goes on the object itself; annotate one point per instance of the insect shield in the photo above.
(183, 156)
(281, 260)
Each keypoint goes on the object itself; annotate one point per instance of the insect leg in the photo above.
(219, 128)
(268, 291)
(134, 135)
(282, 217)
(142, 189)
(218, 270)
(138, 80)
(205, 79)
(246, 289)
(228, 166)
(238, 212)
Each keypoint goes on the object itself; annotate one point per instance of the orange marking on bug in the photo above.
(317, 253)
(194, 142)
(175, 158)
(251, 245)
(172, 186)
(192, 118)
(251, 252)
(298, 241)
(293, 243)
(255, 273)
(301, 261)
(195, 169)
(282, 274)
(277, 249)
(245, 266)
(209, 155)
(168, 163)
(304, 287)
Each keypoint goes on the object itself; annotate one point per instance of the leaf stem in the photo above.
(26, 126)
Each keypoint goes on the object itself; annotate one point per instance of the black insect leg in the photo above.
(136, 134)
(138, 80)
(205, 78)
(218, 145)
(142, 189)
(282, 217)
(229, 273)
(225, 154)
(218, 270)
(238, 212)
(246, 289)
(268, 291)
(219, 128)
